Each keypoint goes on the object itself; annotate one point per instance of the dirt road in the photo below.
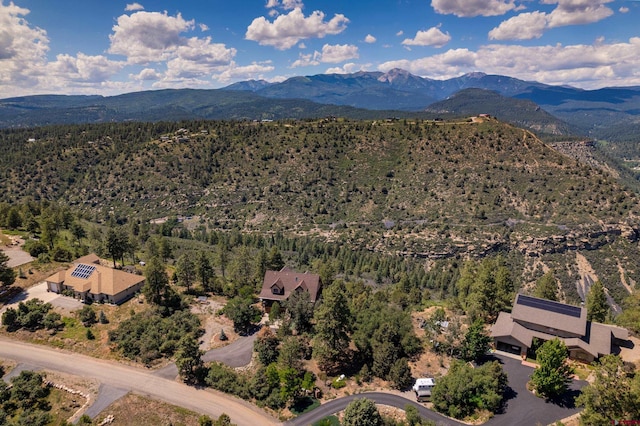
(139, 380)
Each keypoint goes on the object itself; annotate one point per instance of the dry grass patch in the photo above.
(133, 409)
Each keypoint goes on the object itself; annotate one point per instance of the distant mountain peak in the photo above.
(249, 85)
(395, 74)
(475, 74)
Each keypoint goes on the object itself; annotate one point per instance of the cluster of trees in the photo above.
(25, 401)
(165, 329)
(148, 335)
(57, 229)
(485, 288)
(32, 315)
(464, 389)
(613, 395)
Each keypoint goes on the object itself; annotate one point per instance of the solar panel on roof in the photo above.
(83, 271)
(548, 305)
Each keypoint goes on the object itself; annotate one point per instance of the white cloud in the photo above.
(203, 27)
(147, 74)
(525, 26)
(292, 4)
(586, 66)
(307, 60)
(332, 54)
(148, 36)
(83, 68)
(370, 39)
(203, 51)
(471, 8)
(287, 30)
(432, 37)
(349, 68)
(623, 9)
(133, 7)
(23, 51)
(399, 33)
(285, 4)
(576, 12)
(254, 71)
(336, 53)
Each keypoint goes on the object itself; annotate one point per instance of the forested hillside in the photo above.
(417, 188)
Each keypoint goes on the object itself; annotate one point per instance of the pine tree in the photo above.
(189, 359)
(547, 287)
(333, 321)
(597, 307)
(7, 275)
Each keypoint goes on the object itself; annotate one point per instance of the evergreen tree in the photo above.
(333, 321)
(551, 379)
(275, 262)
(613, 395)
(185, 271)
(189, 359)
(204, 270)
(243, 314)
(547, 287)
(156, 281)
(116, 244)
(476, 342)
(362, 412)
(7, 275)
(266, 346)
(300, 311)
(400, 374)
(484, 289)
(597, 307)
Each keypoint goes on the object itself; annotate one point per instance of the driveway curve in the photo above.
(393, 400)
(139, 380)
(236, 354)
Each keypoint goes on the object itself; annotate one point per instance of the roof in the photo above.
(596, 339)
(289, 281)
(425, 381)
(550, 314)
(88, 259)
(95, 278)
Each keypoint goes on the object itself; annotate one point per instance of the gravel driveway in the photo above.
(17, 257)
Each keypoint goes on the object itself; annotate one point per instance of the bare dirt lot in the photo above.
(12, 247)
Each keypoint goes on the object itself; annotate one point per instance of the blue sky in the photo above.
(109, 46)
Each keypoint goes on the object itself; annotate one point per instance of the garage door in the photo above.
(505, 347)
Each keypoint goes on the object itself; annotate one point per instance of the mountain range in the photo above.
(609, 113)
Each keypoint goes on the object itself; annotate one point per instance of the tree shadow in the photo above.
(509, 394)
(566, 400)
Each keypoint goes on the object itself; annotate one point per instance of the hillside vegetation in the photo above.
(418, 188)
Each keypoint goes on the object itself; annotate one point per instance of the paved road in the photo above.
(523, 407)
(118, 376)
(393, 400)
(236, 354)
